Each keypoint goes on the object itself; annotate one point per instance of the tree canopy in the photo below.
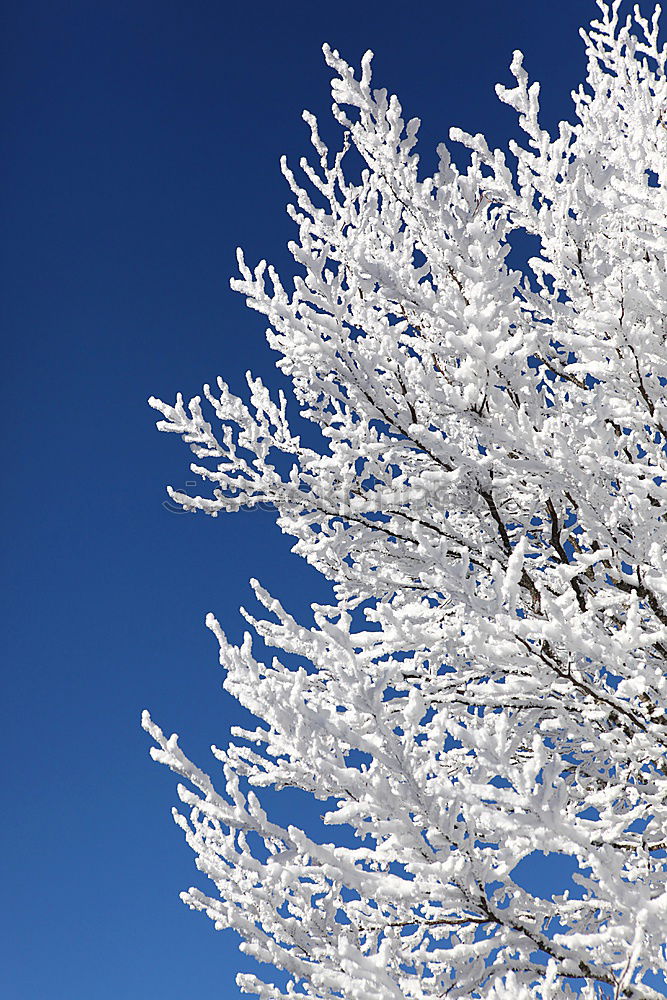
(483, 352)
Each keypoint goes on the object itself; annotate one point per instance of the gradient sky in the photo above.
(143, 142)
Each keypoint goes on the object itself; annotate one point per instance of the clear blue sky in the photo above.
(143, 141)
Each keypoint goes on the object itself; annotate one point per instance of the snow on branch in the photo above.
(489, 504)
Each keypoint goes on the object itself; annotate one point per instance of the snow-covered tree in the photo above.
(489, 503)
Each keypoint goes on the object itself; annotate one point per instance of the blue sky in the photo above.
(143, 142)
